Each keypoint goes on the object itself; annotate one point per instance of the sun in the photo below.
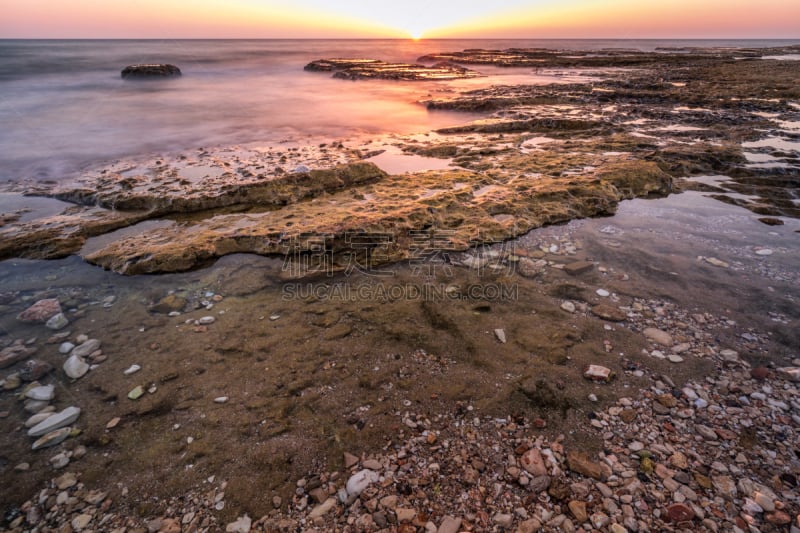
(415, 35)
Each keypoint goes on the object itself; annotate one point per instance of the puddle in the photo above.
(395, 161)
(32, 207)
(679, 127)
(691, 109)
(97, 243)
(534, 143)
(778, 143)
(755, 157)
(787, 57)
(200, 172)
(713, 181)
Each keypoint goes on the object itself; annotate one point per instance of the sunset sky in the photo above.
(615, 19)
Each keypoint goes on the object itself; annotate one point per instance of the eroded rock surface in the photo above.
(356, 69)
(157, 70)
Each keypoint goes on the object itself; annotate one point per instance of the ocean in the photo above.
(64, 107)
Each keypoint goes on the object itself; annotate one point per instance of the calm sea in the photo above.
(63, 106)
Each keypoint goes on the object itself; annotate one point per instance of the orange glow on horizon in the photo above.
(415, 19)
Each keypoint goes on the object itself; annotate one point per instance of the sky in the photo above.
(611, 19)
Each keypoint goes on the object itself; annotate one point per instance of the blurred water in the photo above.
(63, 105)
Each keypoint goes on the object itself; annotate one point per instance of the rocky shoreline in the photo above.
(617, 386)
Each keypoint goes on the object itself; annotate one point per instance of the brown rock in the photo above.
(14, 354)
(703, 481)
(628, 415)
(581, 463)
(168, 304)
(667, 400)
(678, 512)
(578, 510)
(760, 373)
(41, 311)
(578, 267)
(559, 489)
(778, 518)
(533, 462)
(34, 370)
(770, 221)
(609, 312)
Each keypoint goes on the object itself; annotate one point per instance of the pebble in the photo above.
(602, 292)
(501, 335)
(206, 320)
(241, 525)
(86, 348)
(658, 336)
(598, 373)
(52, 438)
(132, 370)
(54, 422)
(136, 393)
(75, 367)
(221, 399)
(57, 321)
(65, 347)
(44, 393)
(568, 306)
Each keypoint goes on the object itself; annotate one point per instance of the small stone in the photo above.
(533, 462)
(449, 525)
(221, 399)
(241, 525)
(360, 481)
(65, 347)
(57, 321)
(136, 393)
(86, 348)
(602, 292)
(206, 320)
(43, 393)
(35, 369)
(581, 463)
(608, 312)
(760, 373)
(674, 358)
(501, 335)
(503, 520)
(54, 422)
(113, 422)
(578, 510)
(598, 373)
(39, 417)
(322, 509)
(168, 304)
(75, 367)
(764, 252)
(132, 370)
(771, 221)
(716, 262)
(350, 460)
(568, 306)
(80, 522)
(22, 467)
(52, 438)
(778, 518)
(679, 512)
(372, 464)
(790, 373)
(405, 515)
(41, 311)
(658, 336)
(578, 267)
(66, 481)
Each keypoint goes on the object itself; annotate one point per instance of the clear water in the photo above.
(63, 105)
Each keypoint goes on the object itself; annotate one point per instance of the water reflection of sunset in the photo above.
(409, 19)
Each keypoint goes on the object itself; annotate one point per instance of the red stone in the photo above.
(41, 311)
(540, 423)
(778, 518)
(760, 373)
(678, 512)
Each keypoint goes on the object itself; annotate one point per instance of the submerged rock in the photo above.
(41, 311)
(156, 70)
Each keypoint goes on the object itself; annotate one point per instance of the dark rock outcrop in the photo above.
(357, 69)
(144, 71)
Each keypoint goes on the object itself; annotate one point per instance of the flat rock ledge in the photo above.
(156, 70)
(359, 69)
